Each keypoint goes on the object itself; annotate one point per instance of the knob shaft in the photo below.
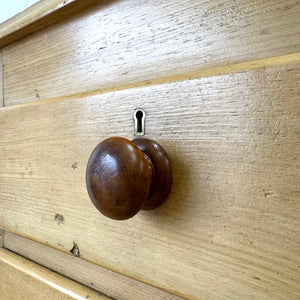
(125, 176)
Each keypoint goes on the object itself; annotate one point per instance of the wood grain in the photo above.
(103, 280)
(1, 80)
(120, 42)
(1, 237)
(23, 279)
(38, 16)
(230, 228)
(119, 186)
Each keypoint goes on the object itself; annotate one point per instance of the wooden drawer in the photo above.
(22, 279)
(224, 105)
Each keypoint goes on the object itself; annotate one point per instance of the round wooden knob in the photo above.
(125, 176)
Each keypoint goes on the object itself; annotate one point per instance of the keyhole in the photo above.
(139, 120)
(139, 115)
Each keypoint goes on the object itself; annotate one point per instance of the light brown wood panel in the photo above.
(38, 16)
(1, 237)
(1, 79)
(22, 279)
(119, 42)
(230, 228)
(103, 280)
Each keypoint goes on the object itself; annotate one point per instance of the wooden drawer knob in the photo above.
(125, 176)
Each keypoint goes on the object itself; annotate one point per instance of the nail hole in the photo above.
(59, 219)
(75, 250)
(75, 166)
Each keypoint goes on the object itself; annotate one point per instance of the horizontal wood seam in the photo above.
(35, 275)
(227, 69)
(14, 243)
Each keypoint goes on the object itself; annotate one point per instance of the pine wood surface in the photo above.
(38, 16)
(120, 42)
(219, 81)
(230, 228)
(1, 79)
(103, 280)
(21, 279)
(1, 238)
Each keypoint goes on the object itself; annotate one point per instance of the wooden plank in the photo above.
(1, 237)
(121, 42)
(38, 16)
(103, 280)
(1, 79)
(23, 279)
(230, 228)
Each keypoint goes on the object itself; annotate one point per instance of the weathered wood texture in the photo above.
(22, 279)
(103, 280)
(119, 42)
(38, 16)
(1, 79)
(230, 228)
(1, 237)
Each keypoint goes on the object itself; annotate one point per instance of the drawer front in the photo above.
(120, 42)
(229, 227)
(218, 82)
(22, 279)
